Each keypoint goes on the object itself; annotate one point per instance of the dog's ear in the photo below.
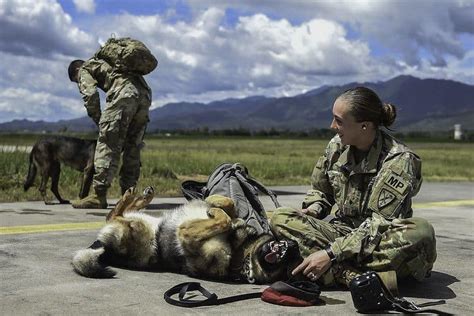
(122, 204)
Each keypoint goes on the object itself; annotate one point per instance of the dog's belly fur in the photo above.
(156, 243)
(170, 251)
(141, 241)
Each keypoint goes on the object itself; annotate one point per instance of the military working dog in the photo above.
(200, 238)
(47, 155)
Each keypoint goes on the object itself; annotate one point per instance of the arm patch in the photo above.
(385, 198)
(389, 193)
(397, 183)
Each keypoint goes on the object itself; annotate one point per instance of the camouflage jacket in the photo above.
(383, 183)
(96, 73)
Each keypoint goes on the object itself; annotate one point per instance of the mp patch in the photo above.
(397, 183)
(385, 198)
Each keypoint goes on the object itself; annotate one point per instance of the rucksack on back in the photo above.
(128, 55)
(232, 180)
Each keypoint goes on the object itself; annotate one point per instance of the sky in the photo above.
(212, 50)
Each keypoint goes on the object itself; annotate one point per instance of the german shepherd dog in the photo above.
(200, 238)
(47, 155)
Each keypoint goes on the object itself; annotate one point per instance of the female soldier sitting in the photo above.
(371, 178)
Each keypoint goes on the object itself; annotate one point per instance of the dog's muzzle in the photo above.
(96, 245)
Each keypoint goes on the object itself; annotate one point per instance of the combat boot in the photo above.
(344, 274)
(96, 200)
(389, 279)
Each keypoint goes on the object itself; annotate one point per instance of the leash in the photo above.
(210, 298)
(290, 293)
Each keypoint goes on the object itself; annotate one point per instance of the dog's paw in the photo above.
(222, 202)
(149, 191)
(211, 212)
(251, 231)
(132, 191)
(135, 203)
(129, 196)
(238, 223)
(239, 237)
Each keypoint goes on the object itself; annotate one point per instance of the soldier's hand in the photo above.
(309, 212)
(314, 210)
(314, 265)
(96, 120)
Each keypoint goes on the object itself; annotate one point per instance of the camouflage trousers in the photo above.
(121, 129)
(406, 246)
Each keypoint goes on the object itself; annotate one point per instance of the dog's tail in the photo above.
(30, 178)
(92, 262)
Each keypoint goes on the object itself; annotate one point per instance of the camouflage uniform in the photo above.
(372, 228)
(121, 125)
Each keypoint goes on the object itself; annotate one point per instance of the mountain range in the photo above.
(422, 105)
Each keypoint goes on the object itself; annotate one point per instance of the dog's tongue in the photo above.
(271, 257)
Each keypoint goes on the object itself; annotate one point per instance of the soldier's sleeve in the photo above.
(90, 95)
(360, 243)
(398, 181)
(319, 198)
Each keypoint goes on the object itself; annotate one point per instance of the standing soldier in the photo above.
(370, 178)
(121, 124)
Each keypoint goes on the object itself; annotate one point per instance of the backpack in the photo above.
(128, 55)
(233, 180)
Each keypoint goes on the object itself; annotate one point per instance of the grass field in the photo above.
(167, 161)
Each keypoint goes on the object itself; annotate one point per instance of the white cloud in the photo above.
(37, 88)
(87, 6)
(409, 29)
(270, 50)
(456, 69)
(35, 74)
(204, 55)
(314, 47)
(20, 103)
(40, 28)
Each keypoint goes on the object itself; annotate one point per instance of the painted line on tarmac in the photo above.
(30, 229)
(444, 204)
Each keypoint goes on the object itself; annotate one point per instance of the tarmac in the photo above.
(37, 242)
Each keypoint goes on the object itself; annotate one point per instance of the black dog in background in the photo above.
(47, 155)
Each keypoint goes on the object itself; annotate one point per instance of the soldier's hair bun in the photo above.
(388, 115)
(365, 105)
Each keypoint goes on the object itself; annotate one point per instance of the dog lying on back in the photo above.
(201, 238)
(47, 155)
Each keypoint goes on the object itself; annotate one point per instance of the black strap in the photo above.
(264, 190)
(193, 189)
(405, 306)
(402, 305)
(211, 298)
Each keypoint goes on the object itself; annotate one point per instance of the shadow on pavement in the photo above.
(435, 287)
(163, 206)
(97, 214)
(278, 192)
(27, 211)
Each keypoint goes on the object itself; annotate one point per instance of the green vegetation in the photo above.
(273, 160)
